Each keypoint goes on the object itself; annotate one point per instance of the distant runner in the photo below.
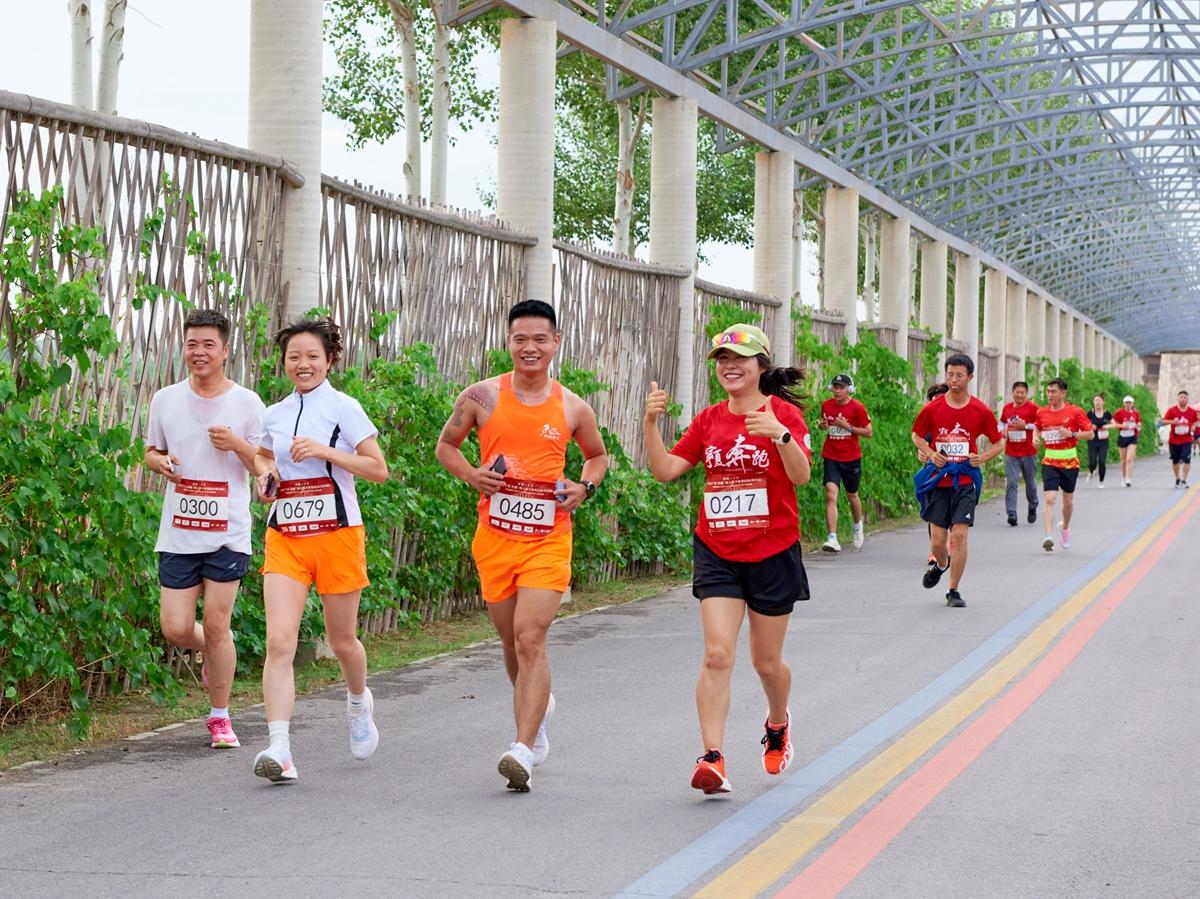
(1181, 418)
(1020, 454)
(1060, 427)
(845, 420)
(1128, 422)
(1100, 419)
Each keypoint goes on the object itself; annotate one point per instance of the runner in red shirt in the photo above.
(955, 421)
(844, 420)
(1182, 420)
(755, 449)
(1060, 427)
(1129, 425)
(1020, 455)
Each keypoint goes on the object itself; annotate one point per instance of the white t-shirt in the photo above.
(318, 414)
(193, 513)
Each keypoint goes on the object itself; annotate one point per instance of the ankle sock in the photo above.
(356, 700)
(278, 733)
(215, 712)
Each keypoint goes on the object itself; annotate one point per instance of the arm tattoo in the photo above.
(456, 420)
(486, 398)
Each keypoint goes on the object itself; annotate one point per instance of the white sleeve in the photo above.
(155, 436)
(255, 413)
(356, 427)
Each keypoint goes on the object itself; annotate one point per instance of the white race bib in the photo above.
(1125, 432)
(839, 433)
(1182, 429)
(1102, 434)
(306, 506)
(1016, 436)
(201, 505)
(523, 507)
(954, 449)
(736, 502)
(1054, 435)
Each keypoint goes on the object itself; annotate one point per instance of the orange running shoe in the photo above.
(777, 746)
(709, 775)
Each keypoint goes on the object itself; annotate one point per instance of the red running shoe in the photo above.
(709, 775)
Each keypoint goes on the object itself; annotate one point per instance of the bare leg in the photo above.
(1068, 507)
(523, 622)
(722, 619)
(767, 633)
(341, 630)
(283, 599)
(220, 656)
(958, 564)
(831, 496)
(938, 545)
(855, 507)
(1051, 500)
(177, 617)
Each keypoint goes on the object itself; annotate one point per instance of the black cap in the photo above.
(842, 380)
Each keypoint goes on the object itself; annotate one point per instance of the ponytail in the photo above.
(781, 382)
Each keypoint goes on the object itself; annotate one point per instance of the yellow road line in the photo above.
(795, 838)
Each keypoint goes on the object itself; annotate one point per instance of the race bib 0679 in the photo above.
(306, 506)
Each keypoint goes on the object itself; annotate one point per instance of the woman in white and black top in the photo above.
(1098, 445)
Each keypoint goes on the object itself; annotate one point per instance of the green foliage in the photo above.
(1083, 384)
(76, 603)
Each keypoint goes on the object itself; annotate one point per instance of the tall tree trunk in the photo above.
(112, 51)
(629, 134)
(402, 17)
(869, 251)
(80, 12)
(439, 134)
(797, 248)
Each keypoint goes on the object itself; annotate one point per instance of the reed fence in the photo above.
(762, 308)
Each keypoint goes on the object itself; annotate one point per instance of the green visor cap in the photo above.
(745, 340)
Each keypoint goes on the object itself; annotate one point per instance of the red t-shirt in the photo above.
(1181, 418)
(749, 510)
(1127, 420)
(1018, 440)
(1056, 427)
(842, 445)
(956, 431)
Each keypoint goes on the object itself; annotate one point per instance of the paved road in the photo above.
(1091, 791)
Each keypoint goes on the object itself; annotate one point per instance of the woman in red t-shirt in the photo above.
(756, 450)
(1129, 424)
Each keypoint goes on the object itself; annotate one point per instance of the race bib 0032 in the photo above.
(523, 507)
(306, 506)
(734, 503)
(954, 449)
(201, 506)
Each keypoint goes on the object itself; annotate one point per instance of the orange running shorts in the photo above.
(504, 565)
(335, 561)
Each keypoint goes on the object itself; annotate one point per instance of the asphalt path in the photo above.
(1091, 791)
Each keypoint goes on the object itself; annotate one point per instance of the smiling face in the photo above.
(533, 342)
(305, 361)
(1020, 395)
(204, 352)
(737, 375)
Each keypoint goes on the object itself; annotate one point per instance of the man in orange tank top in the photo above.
(522, 546)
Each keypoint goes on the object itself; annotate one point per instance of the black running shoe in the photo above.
(1012, 519)
(933, 574)
(954, 599)
(1032, 516)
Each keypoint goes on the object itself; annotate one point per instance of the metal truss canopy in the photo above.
(1061, 137)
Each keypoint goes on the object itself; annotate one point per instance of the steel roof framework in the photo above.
(1061, 137)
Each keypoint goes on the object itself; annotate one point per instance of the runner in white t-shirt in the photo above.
(315, 442)
(202, 437)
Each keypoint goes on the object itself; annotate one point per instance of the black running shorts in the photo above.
(1123, 442)
(848, 474)
(1055, 478)
(179, 571)
(949, 506)
(770, 587)
(1181, 453)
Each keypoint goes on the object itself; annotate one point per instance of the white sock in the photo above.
(356, 699)
(215, 712)
(278, 732)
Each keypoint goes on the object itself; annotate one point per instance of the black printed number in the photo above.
(525, 510)
(731, 504)
(303, 508)
(205, 508)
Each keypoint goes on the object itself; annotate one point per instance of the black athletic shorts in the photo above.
(1123, 442)
(179, 571)
(949, 506)
(770, 587)
(1055, 478)
(848, 474)
(1181, 453)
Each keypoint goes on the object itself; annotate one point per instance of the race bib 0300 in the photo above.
(201, 506)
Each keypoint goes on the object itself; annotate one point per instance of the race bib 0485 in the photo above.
(523, 507)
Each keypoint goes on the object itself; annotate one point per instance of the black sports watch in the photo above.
(785, 437)
(589, 487)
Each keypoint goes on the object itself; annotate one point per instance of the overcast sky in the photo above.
(186, 66)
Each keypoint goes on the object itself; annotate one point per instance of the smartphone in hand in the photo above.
(500, 466)
(271, 486)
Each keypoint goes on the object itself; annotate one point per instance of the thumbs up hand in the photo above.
(656, 403)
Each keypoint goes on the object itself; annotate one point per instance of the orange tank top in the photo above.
(533, 441)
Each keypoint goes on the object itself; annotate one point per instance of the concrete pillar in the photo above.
(894, 284)
(1035, 326)
(1014, 332)
(1089, 345)
(841, 256)
(1066, 336)
(285, 120)
(934, 263)
(1050, 332)
(966, 304)
(525, 168)
(1078, 340)
(673, 221)
(995, 302)
(774, 183)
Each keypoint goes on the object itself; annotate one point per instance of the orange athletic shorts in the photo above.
(504, 564)
(335, 561)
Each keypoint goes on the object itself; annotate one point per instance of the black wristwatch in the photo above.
(785, 437)
(589, 487)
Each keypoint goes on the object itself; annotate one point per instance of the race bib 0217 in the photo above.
(734, 503)
(201, 506)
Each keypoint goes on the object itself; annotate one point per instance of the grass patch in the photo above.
(117, 717)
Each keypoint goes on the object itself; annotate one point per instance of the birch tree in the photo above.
(629, 133)
(402, 16)
(112, 52)
(80, 12)
(439, 130)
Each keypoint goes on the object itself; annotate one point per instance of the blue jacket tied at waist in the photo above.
(925, 480)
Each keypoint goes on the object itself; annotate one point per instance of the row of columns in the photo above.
(285, 110)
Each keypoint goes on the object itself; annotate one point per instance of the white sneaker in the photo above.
(831, 544)
(1064, 536)
(517, 766)
(275, 765)
(1048, 544)
(364, 736)
(859, 535)
(541, 743)
(1101, 485)
(1128, 483)
(1089, 480)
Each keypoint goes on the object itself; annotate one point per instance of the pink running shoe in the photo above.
(222, 733)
